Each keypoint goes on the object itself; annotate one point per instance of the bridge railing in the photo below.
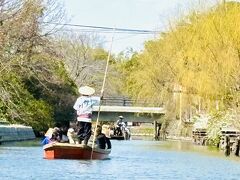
(121, 101)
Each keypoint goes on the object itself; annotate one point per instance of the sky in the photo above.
(130, 14)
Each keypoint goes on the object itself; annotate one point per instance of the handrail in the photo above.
(122, 101)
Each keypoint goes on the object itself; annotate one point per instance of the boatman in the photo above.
(84, 107)
(119, 126)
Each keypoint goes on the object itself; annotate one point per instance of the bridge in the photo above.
(112, 107)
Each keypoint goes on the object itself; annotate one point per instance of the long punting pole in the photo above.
(102, 91)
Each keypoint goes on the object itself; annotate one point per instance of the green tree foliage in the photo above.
(35, 88)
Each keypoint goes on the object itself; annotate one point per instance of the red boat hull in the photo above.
(73, 151)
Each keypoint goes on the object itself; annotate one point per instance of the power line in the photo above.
(119, 39)
(103, 29)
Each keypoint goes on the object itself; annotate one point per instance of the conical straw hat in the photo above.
(86, 90)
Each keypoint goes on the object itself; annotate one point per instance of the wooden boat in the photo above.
(73, 151)
(125, 136)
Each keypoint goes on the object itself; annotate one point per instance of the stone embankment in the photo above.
(15, 133)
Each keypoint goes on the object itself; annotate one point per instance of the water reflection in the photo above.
(187, 146)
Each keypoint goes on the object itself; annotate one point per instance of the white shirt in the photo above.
(84, 106)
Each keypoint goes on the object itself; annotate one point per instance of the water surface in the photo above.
(134, 159)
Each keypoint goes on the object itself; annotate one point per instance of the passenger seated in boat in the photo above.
(111, 131)
(56, 135)
(72, 136)
(106, 130)
(63, 135)
(47, 137)
(46, 140)
(102, 141)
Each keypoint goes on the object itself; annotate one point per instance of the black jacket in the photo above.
(102, 141)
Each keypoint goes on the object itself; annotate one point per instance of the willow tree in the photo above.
(198, 58)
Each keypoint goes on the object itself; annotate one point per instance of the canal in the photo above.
(135, 159)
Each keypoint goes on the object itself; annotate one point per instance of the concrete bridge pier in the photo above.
(159, 133)
(156, 134)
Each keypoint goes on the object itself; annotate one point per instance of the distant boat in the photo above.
(125, 135)
(73, 151)
(117, 137)
(117, 133)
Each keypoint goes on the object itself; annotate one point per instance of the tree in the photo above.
(34, 83)
(85, 61)
(200, 54)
